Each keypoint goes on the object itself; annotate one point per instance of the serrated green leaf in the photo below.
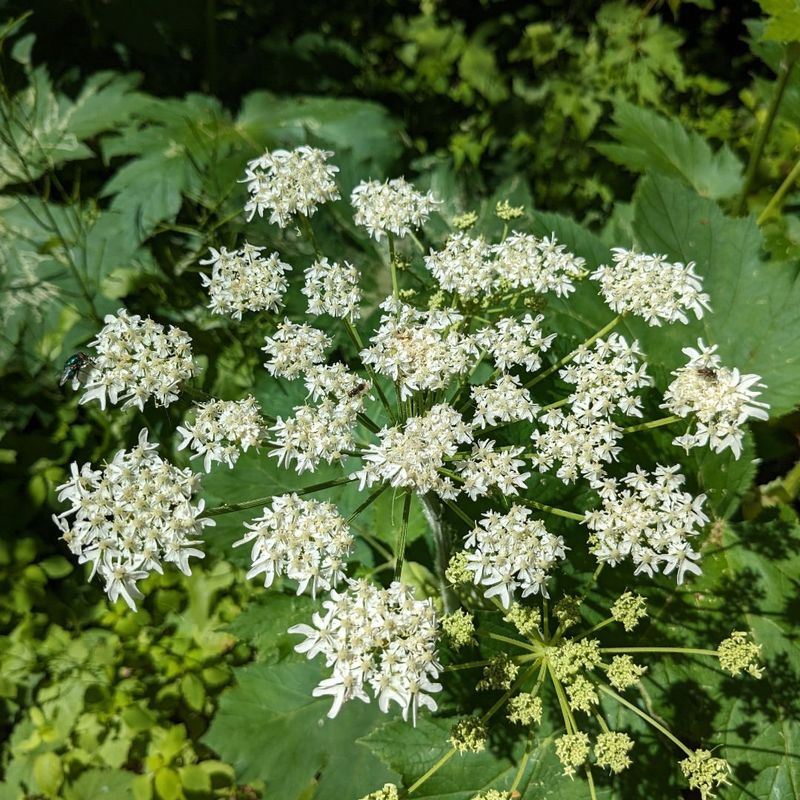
(784, 21)
(755, 304)
(649, 142)
(102, 784)
(269, 721)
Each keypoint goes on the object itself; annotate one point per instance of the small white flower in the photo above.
(505, 401)
(516, 342)
(651, 287)
(138, 359)
(488, 468)
(333, 289)
(391, 207)
(511, 551)
(294, 349)
(286, 183)
(464, 266)
(130, 517)
(378, 639)
(305, 540)
(243, 280)
(222, 429)
(721, 400)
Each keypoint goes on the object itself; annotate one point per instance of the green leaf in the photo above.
(168, 784)
(193, 691)
(48, 773)
(784, 22)
(270, 728)
(650, 142)
(101, 784)
(56, 566)
(755, 304)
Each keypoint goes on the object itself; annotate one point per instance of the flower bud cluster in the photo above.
(381, 639)
(286, 183)
(651, 287)
(647, 518)
(222, 429)
(721, 400)
(305, 540)
(138, 359)
(131, 517)
(394, 206)
(243, 280)
(511, 551)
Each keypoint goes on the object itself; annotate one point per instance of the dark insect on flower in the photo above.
(358, 389)
(73, 367)
(707, 373)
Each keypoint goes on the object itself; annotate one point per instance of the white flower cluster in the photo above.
(514, 342)
(511, 551)
(376, 638)
(243, 280)
(222, 429)
(464, 266)
(720, 399)
(394, 206)
(333, 289)
(507, 400)
(647, 518)
(412, 456)
(523, 261)
(651, 287)
(294, 349)
(325, 430)
(418, 349)
(130, 517)
(305, 540)
(584, 439)
(288, 182)
(138, 359)
(488, 467)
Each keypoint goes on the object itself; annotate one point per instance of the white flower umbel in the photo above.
(523, 261)
(333, 289)
(130, 517)
(516, 342)
(222, 429)
(651, 287)
(511, 551)
(305, 540)
(419, 349)
(337, 382)
(507, 400)
(378, 639)
(721, 400)
(138, 360)
(392, 207)
(488, 468)
(464, 266)
(243, 280)
(289, 182)
(412, 456)
(294, 348)
(647, 518)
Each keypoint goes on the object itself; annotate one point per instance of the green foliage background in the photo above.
(613, 123)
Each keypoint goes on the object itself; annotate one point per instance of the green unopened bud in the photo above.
(493, 794)
(436, 300)
(388, 792)
(499, 673)
(623, 672)
(582, 695)
(629, 609)
(573, 656)
(506, 211)
(458, 628)
(568, 611)
(736, 653)
(572, 750)
(611, 751)
(465, 220)
(468, 735)
(525, 620)
(704, 772)
(525, 709)
(457, 572)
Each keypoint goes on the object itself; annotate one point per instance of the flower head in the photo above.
(464, 266)
(333, 289)
(293, 349)
(394, 206)
(705, 773)
(524, 261)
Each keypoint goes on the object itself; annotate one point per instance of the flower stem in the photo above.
(645, 716)
(777, 198)
(393, 266)
(656, 423)
(309, 231)
(558, 512)
(567, 358)
(401, 539)
(686, 651)
(229, 508)
(508, 640)
(432, 509)
(358, 342)
(784, 71)
(368, 502)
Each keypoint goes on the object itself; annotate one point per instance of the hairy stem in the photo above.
(432, 509)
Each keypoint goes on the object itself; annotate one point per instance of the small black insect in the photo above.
(73, 367)
(707, 373)
(358, 389)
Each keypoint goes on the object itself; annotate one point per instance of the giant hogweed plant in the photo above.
(457, 399)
